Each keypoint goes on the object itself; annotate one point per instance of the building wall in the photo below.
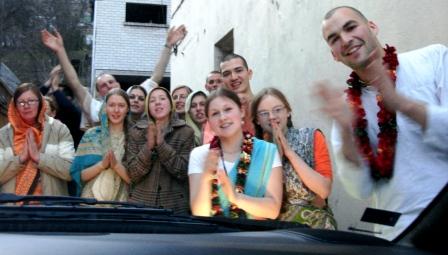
(125, 49)
(282, 42)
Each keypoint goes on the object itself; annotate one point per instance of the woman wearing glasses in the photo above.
(236, 175)
(36, 150)
(307, 174)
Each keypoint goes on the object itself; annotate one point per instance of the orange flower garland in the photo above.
(242, 171)
(381, 163)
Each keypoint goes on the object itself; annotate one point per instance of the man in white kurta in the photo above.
(420, 100)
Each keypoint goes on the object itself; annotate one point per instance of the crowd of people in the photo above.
(233, 153)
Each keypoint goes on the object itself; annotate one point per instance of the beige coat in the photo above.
(56, 157)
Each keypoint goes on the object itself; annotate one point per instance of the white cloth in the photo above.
(149, 84)
(199, 154)
(421, 159)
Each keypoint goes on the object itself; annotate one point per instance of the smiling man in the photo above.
(236, 76)
(397, 104)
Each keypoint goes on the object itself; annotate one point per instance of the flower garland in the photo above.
(242, 171)
(381, 164)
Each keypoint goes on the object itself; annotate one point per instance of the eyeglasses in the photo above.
(30, 102)
(140, 98)
(181, 96)
(277, 111)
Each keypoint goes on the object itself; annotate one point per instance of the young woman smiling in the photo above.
(236, 175)
(157, 155)
(97, 168)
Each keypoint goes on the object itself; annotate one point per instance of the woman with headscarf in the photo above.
(195, 118)
(35, 150)
(157, 156)
(137, 96)
(97, 168)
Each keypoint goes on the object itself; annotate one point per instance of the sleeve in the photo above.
(57, 162)
(44, 89)
(137, 158)
(149, 84)
(355, 179)
(276, 162)
(65, 104)
(175, 161)
(196, 162)
(437, 115)
(9, 163)
(95, 107)
(322, 162)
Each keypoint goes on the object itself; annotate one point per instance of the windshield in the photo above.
(296, 115)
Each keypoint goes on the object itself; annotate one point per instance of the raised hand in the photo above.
(226, 185)
(52, 41)
(33, 150)
(334, 104)
(211, 164)
(112, 160)
(175, 35)
(151, 136)
(279, 139)
(105, 163)
(24, 155)
(160, 134)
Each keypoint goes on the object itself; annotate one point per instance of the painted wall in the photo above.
(282, 43)
(126, 49)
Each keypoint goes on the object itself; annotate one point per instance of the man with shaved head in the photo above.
(390, 137)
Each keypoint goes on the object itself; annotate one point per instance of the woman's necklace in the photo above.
(242, 171)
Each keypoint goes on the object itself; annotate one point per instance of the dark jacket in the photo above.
(159, 178)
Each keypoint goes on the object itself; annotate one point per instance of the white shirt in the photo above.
(199, 154)
(421, 158)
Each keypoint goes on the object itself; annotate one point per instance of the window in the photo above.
(146, 13)
(223, 47)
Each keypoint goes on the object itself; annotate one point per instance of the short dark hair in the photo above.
(182, 87)
(222, 92)
(330, 13)
(256, 102)
(212, 72)
(232, 56)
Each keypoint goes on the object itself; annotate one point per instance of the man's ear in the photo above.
(373, 27)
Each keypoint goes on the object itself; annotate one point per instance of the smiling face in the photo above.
(116, 109)
(272, 110)
(224, 117)
(179, 97)
(159, 105)
(105, 83)
(236, 76)
(28, 107)
(137, 99)
(197, 109)
(351, 38)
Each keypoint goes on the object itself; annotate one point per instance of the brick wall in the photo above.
(122, 48)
